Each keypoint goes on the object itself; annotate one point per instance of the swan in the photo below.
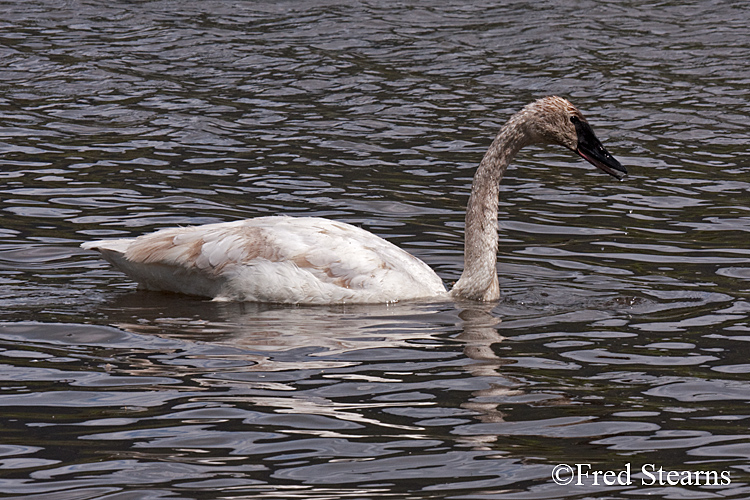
(311, 260)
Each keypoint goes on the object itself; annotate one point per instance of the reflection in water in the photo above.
(324, 397)
(480, 336)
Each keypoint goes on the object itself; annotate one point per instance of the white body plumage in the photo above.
(306, 260)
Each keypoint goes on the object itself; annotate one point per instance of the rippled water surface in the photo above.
(622, 338)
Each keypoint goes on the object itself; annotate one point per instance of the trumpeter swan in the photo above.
(310, 260)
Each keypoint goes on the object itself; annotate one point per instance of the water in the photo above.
(622, 337)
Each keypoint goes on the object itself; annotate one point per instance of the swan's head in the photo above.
(555, 120)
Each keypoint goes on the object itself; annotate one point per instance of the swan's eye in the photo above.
(574, 119)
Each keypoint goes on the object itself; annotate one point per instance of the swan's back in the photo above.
(305, 260)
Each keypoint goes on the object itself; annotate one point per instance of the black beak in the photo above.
(591, 150)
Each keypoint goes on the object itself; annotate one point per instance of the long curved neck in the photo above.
(479, 279)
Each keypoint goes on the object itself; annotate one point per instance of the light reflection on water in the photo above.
(621, 336)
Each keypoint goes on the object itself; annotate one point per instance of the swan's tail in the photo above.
(156, 276)
(113, 251)
(116, 246)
